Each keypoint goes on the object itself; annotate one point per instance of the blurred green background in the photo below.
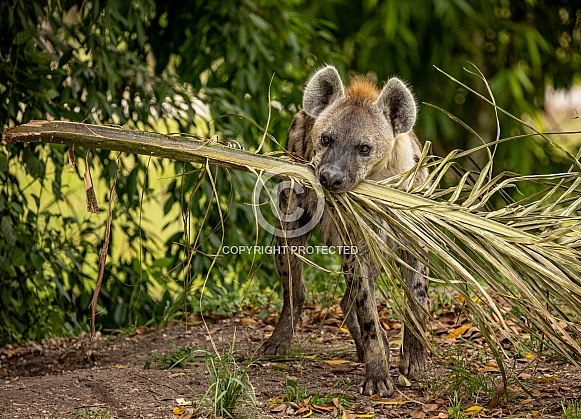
(192, 67)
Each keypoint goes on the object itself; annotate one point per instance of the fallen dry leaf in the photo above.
(474, 409)
(179, 410)
(248, 321)
(302, 410)
(488, 368)
(294, 405)
(336, 361)
(432, 407)
(500, 390)
(194, 319)
(403, 381)
(395, 401)
(473, 332)
(456, 333)
(142, 330)
(278, 408)
(323, 407)
(418, 413)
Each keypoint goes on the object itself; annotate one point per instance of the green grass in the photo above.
(92, 414)
(179, 357)
(455, 407)
(465, 384)
(296, 394)
(230, 393)
(572, 409)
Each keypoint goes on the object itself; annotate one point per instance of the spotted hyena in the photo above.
(350, 134)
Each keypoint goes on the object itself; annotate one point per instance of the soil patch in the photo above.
(106, 377)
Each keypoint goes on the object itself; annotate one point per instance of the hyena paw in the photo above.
(275, 345)
(413, 362)
(379, 384)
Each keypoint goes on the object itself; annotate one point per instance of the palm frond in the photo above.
(527, 250)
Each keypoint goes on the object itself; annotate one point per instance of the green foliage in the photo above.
(522, 47)
(296, 394)
(92, 414)
(230, 393)
(455, 407)
(191, 67)
(177, 357)
(571, 409)
(464, 384)
(230, 50)
(69, 61)
(38, 266)
(139, 64)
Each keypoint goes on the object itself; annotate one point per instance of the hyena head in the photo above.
(355, 127)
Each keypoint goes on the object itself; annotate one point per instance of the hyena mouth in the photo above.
(333, 179)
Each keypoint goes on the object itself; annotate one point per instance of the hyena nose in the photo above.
(331, 179)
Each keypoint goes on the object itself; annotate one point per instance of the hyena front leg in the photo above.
(350, 312)
(371, 336)
(413, 359)
(290, 269)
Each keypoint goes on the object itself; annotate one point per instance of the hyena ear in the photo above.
(324, 88)
(398, 105)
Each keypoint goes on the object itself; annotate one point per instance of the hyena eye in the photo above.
(364, 149)
(326, 140)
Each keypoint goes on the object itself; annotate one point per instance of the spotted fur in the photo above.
(350, 134)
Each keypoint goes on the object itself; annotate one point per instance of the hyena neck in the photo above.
(402, 158)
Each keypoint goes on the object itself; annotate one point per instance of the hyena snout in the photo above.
(332, 178)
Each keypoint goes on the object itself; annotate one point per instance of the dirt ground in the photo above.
(106, 377)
